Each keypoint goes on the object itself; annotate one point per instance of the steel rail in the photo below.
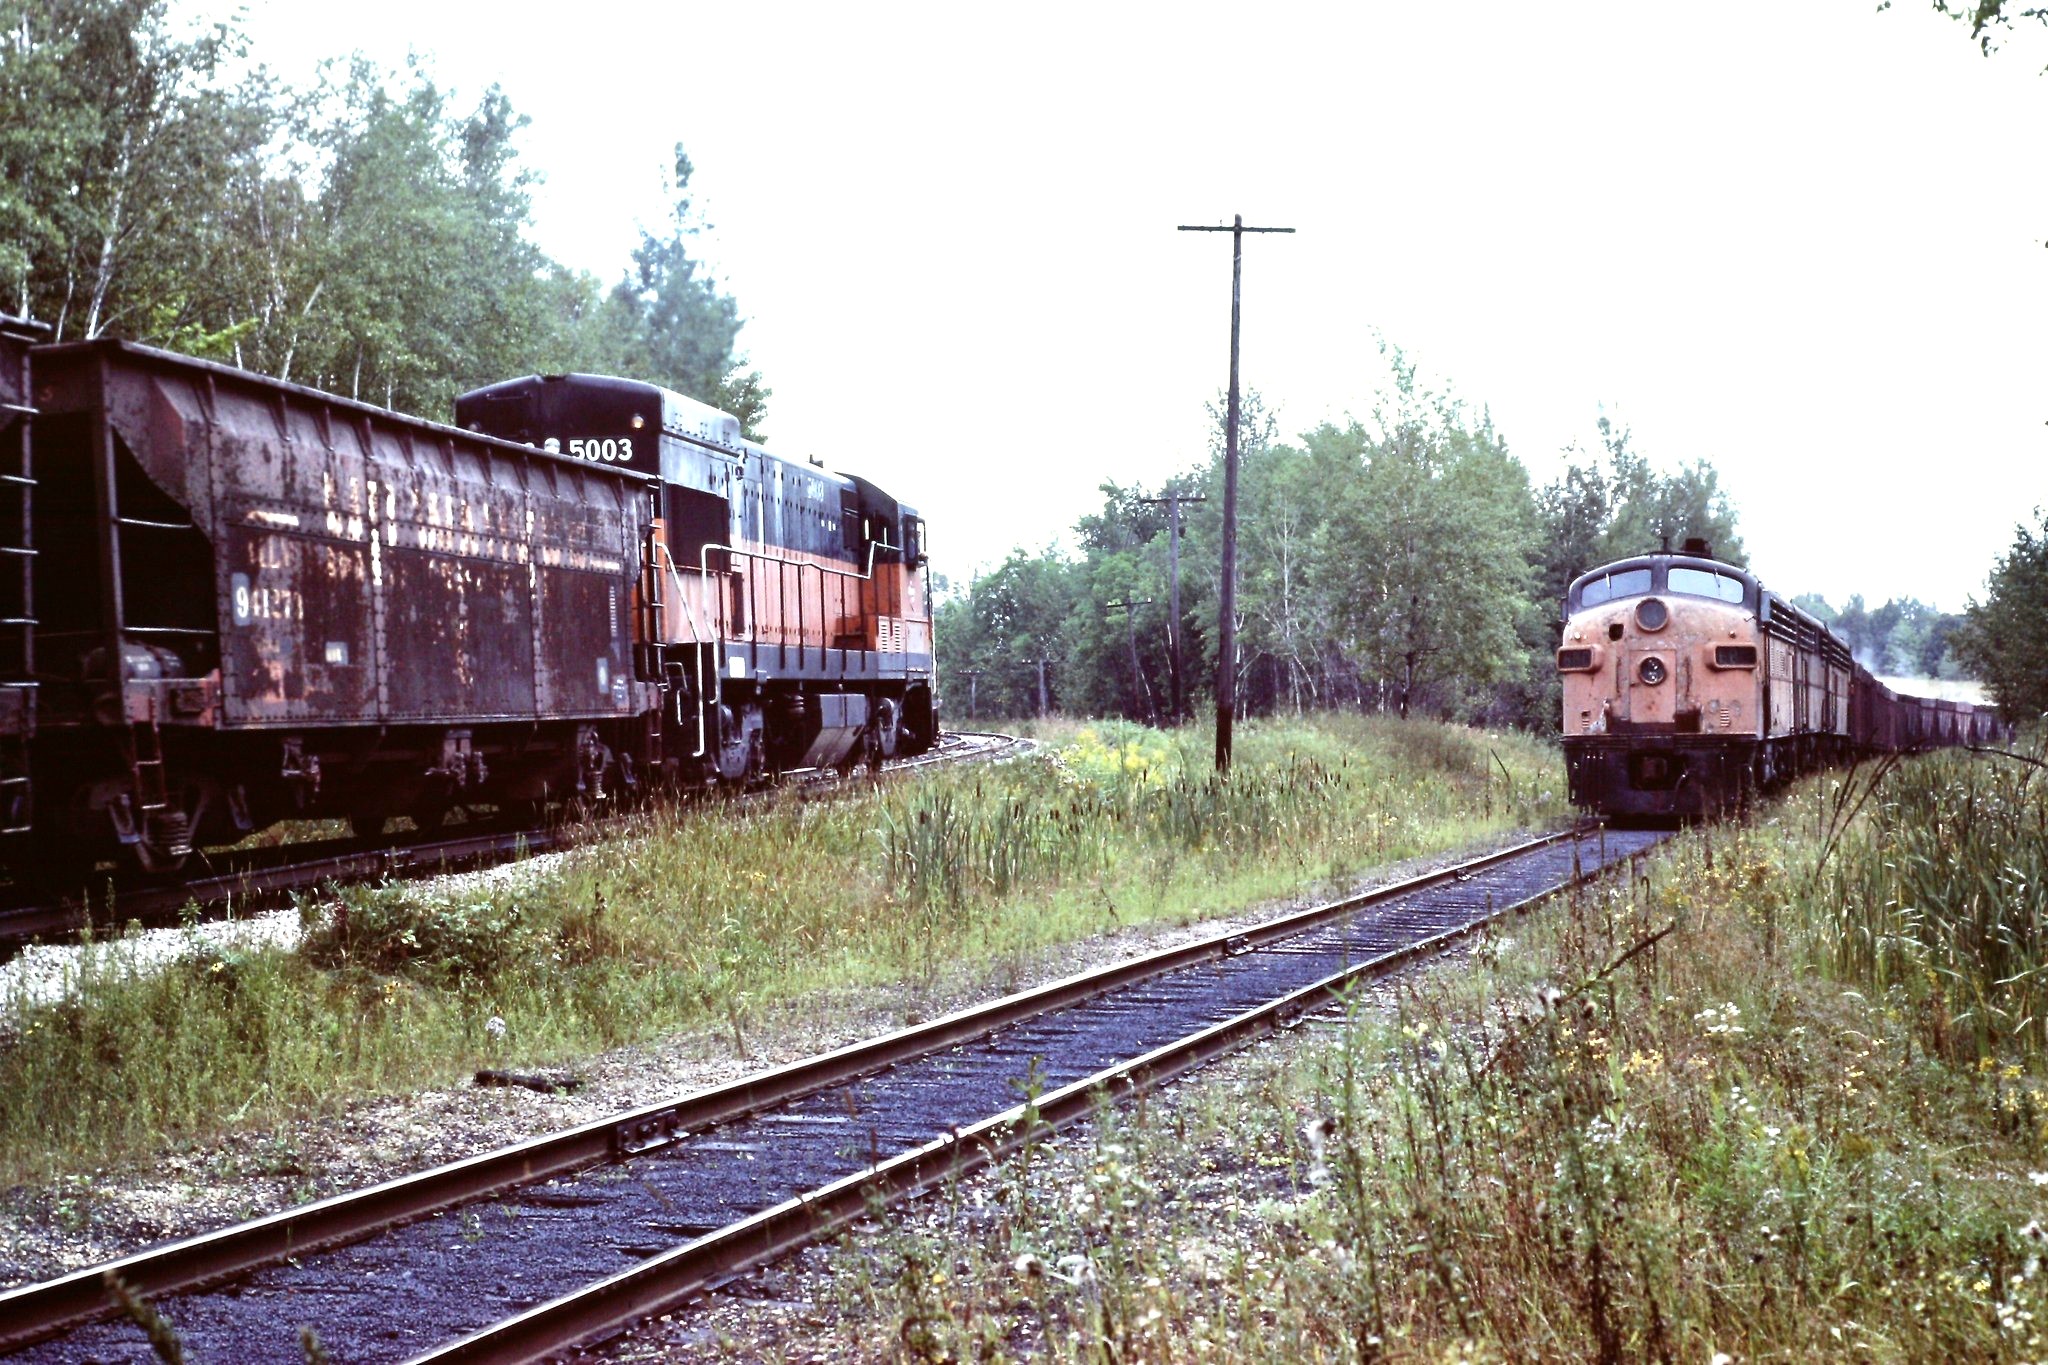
(35, 1312)
(695, 1268)
(277, 873)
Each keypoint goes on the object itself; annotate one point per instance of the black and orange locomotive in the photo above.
(229, 600)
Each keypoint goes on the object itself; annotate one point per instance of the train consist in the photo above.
(1688, 685)
(241, 601)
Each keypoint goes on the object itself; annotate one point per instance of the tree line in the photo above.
(1400, 562)
(368, 235)
(1403, 563)
(2004, 637)
(1904, 638)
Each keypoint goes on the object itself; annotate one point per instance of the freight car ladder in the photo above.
(17, 589)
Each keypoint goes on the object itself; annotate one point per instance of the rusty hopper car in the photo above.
(1688, 685)
(254, 601)
(785, 609)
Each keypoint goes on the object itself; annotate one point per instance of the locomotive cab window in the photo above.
(1626, 583)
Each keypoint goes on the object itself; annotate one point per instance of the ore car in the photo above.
(1688, 685)
(254, 601)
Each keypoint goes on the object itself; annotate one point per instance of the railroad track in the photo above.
(259, 878)
(519, 1253)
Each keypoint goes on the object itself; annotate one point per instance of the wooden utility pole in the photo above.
(1226, 633)
(1173, 503)
(973, 676)
(1044, 697)
(1140, 686)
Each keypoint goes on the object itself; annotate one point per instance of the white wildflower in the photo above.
(495, 1026)
(1724, 1020)
(1073, 1270)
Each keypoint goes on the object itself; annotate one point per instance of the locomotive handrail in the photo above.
(704, 571)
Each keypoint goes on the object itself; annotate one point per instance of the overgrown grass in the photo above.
(1938, 897)
(701, 917)
(1783, 1099)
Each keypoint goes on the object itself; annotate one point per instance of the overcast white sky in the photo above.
(1801, 239)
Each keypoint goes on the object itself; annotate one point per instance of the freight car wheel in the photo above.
(430, 813)
(367, 822)
(61, 867)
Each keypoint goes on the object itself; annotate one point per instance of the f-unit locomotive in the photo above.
(241, 600)
(1689, 685)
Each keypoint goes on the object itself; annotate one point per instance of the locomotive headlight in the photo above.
(1652, 614)
(1652, 670)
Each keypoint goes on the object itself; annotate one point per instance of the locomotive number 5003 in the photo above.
(610, 451)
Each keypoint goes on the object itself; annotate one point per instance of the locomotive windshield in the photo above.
(1705, 583)
(1621, 583)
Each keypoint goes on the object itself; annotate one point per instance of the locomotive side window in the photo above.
(850, 520)
(1704, 583)
(695, 519)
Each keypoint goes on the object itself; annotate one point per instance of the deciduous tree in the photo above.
(2004, 637)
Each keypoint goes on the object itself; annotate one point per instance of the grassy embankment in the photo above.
(1809, 1121)
(706, 917)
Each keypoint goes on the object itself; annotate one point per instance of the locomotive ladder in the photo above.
(17, 610)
